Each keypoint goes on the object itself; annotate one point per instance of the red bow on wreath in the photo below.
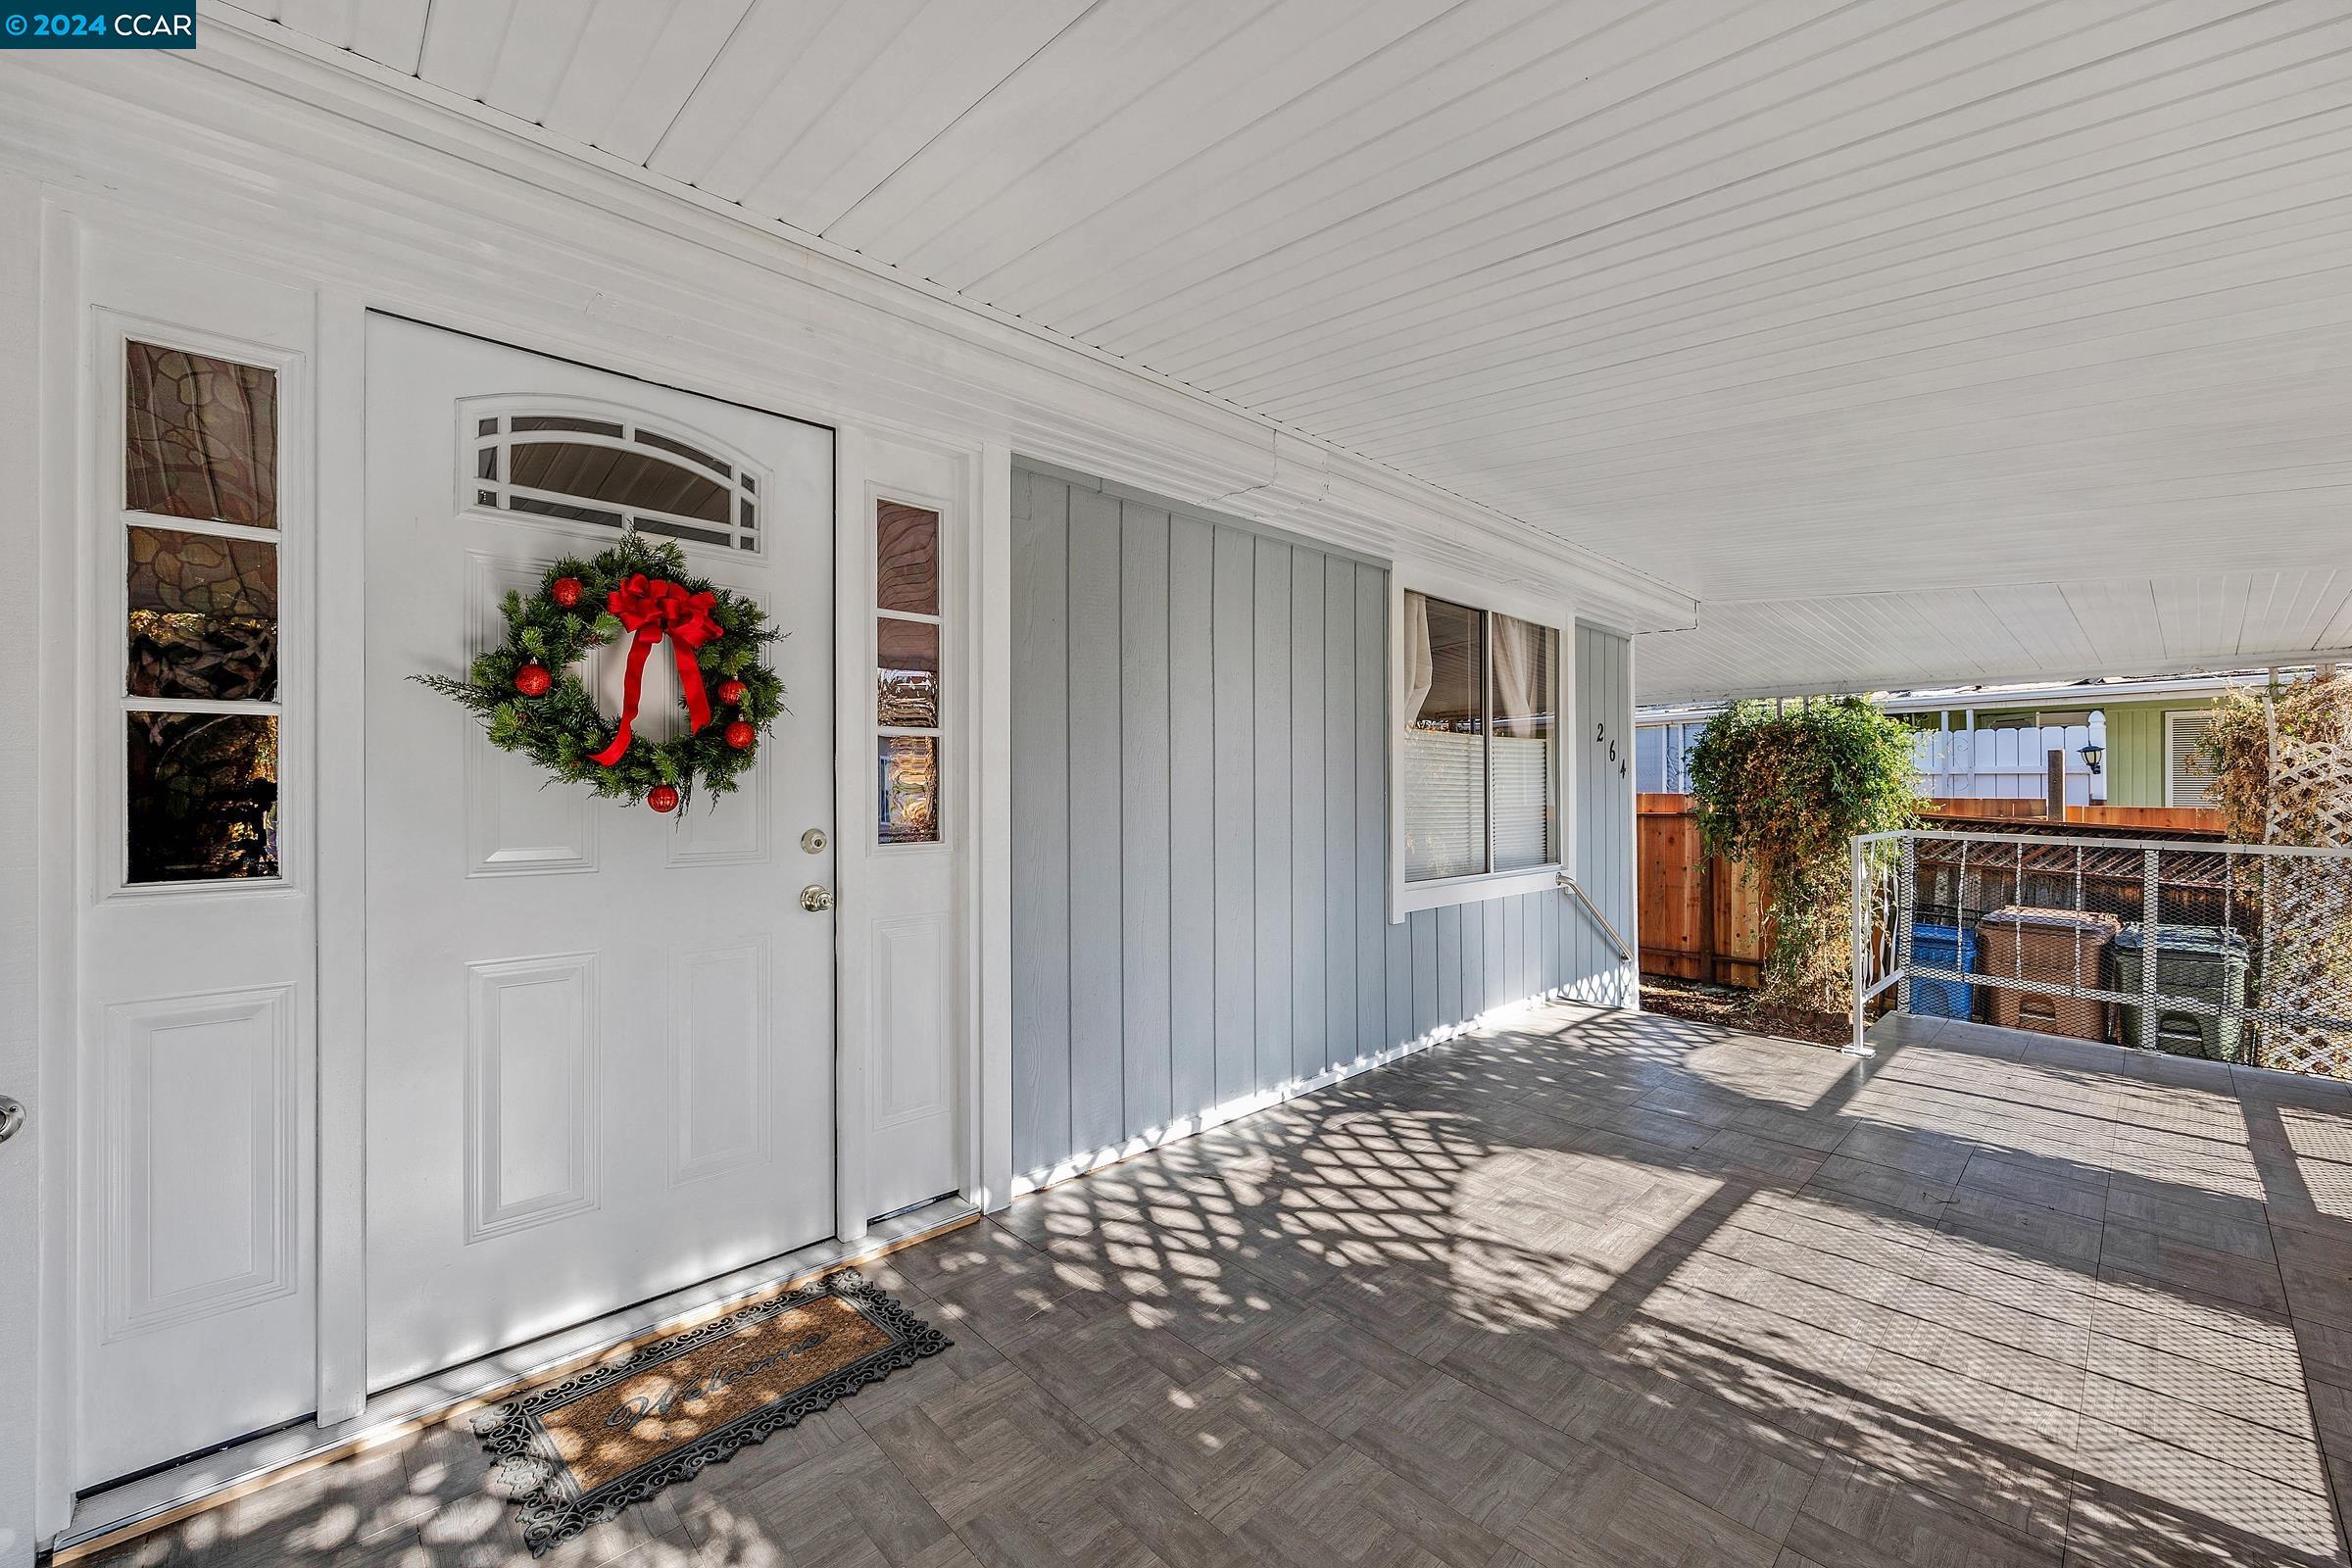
(655, 607)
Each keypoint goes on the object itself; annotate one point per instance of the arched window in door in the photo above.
(600, 466)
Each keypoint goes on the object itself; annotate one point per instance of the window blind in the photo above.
(1523, 820)
(2185, 783)
(1444, 805)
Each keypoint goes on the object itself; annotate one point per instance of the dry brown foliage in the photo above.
(2237, 748)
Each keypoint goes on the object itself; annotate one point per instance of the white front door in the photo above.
(599, 1040)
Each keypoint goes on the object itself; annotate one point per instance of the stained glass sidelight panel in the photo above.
(203, 615)
(907, 673)
(200, 436)
(203, 797)
(907, 574)
(906, 676)
(908, 774)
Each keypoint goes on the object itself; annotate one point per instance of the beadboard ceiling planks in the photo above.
(2115, 626)
(1901, 335)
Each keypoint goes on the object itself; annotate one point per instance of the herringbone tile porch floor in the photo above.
(1598, 1289)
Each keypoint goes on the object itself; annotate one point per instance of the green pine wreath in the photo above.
(532, 703)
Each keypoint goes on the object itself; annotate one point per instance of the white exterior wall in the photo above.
(255, 162)
(21, 891)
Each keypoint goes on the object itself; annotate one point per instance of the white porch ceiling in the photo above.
(2134, 625)
(1920, 340)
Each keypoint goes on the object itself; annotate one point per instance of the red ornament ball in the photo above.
(566, 591)
(732, 692)
(662, 797)
(533, 680)
(740, 735)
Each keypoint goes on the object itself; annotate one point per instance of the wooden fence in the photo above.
(1703, 918)
(2198, 819)
(2165, 818)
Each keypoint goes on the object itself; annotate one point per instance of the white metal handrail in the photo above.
(1625, 954)
(2178, 846)
(2275, 920)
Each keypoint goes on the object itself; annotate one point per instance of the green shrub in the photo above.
(1783, 793)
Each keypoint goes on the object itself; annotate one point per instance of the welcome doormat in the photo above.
(576, 1451)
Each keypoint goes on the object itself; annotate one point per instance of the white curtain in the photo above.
(1519, 757)
(1420, 666)
(1520, 694)
(1443, 797)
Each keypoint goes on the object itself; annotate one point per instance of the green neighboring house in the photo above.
(2147, 741)
(2148, 730)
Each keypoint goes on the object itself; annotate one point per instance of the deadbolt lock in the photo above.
(814, 841)
(817, 900)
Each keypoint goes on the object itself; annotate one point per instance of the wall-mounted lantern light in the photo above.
(2092, 752)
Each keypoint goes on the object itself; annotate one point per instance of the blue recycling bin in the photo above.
(1935, 946)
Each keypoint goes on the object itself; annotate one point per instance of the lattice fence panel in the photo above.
(2307, 907)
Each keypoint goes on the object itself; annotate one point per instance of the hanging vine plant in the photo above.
(2235, 749)
(532, 701)
(1785, 792)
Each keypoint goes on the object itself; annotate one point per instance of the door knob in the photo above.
(815, 898)
(11, 1117)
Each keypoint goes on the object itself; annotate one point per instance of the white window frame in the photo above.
(1406, 896)
(290, 538)
(2171, 781)
(507, 407)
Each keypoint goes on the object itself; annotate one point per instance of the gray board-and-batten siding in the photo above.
(1199, 854)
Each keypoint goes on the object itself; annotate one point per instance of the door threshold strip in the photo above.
(163, 1497)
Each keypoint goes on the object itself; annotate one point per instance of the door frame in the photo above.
(342, 850)
(72, 229)
(908, 881)
(782, 874)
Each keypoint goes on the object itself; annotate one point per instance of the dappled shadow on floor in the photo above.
(1600, 1288)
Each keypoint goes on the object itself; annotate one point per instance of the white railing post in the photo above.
(1861, 944)
(2149, 894)
(1899, 911)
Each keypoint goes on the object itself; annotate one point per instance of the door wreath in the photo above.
(532, 701)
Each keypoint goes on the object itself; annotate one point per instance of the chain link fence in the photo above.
(2232, 952)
